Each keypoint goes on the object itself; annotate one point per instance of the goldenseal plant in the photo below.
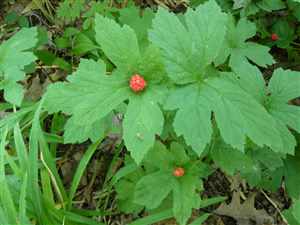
(91, 94)
(170, 179)
(202, 69)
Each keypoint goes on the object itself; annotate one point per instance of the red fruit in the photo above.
(274, 37)
(137, 83)
(178, 172)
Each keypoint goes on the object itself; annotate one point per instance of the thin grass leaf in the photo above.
(124, 172)
(5, 195)
(11, 161)
(56, 125)
(22, 203)
(110, 173)
(47, 187)
(157, 217)
(89, 213)
(80, 170)
(5, 106)
(20, 148)
(33, 172)
(211, 201)
(12, 119)
(3, 217)
(54, 140)
(80, 219)
(50, 165)
(200, 220)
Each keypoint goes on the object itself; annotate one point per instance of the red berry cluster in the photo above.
(178, 172)
(274, 37)
(137, 83)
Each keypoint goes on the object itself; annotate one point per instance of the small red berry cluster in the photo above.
(137, 83)
(178, 172)
(274, 37)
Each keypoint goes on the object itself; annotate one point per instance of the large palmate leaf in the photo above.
(189, 49)
(90, 94)
(140, 24)
(191, 105)
(283, 86)
(14, 56)
(118, 43)
(239, 49)
(143, 120)
(238, 115)
(149, 191)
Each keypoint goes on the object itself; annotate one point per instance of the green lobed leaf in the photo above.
(149, 191)
(284, 86)
(118, 43)
(143, 120)
(183, 189)
(14, 56)
(69, 10)
(185, 198)
(89, 96)
(292, 180)
(132, 17)
(241, 50)
(229, 159)
(93, 131)
(187, 50)
(270, 5)
(238, 115)
(191, 104)
(285, 31)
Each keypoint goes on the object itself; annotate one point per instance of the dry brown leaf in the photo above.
(244, 213)
(36, 89)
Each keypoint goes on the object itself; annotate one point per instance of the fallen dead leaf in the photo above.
(244, 213)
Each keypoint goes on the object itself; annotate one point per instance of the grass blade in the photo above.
(201, 219)
(22, 203)
(5, 195)
(80, 170)
(20, 148)
(157, 217)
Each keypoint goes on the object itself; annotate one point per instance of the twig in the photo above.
(275, 206)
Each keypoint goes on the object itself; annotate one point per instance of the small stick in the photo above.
(275, 206)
